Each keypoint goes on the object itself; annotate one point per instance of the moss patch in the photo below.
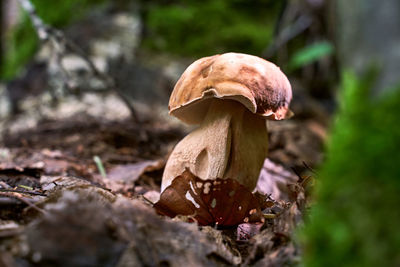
(356, 219)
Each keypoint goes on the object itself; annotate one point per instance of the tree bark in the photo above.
(368, 35)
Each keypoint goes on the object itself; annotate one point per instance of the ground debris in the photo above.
(156, 241)
(77, 230)
(274, 245)
(82, 218)
(81, 227)
(84, 223)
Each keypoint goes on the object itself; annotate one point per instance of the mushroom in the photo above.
(230, 96)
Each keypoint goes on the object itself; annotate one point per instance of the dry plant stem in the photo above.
(22, 192)
(60, 43)
(231, 142)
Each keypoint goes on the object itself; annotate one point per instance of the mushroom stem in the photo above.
(231, 142)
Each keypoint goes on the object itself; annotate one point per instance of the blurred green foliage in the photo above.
(356, 218)
(182, 27)
(201, 28)
(310, 54)
(22, 41)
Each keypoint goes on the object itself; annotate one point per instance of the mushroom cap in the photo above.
(256, 83)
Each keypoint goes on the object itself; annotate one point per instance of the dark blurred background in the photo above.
(143, 39)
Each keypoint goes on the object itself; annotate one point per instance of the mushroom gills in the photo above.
(231, 142)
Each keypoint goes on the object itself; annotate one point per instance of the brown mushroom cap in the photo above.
(256, 83)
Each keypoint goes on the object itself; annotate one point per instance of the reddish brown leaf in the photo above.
(221, 201)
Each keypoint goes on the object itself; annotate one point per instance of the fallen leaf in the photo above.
(221, 201)
(123, 177)
(274, 180)
(132, 172)
(152, 195)
(56, 166)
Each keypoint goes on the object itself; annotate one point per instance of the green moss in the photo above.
(200, 28)
(356, 219)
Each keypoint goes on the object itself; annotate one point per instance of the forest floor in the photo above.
(57, 207)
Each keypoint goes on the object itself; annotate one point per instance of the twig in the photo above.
(41, 28)
(23, 192)
(60, 43)
(303, 180)
(308, 167)
(33, 206)
(287, 34)
(298, 174)
(147, 200)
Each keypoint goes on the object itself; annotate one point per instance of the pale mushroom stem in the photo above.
(231, 142)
